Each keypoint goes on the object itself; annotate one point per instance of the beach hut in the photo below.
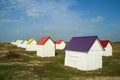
(46, 47)
(31, 45)
(107, 46)
(18, 42)
(23, 44)
(84, 53)
(60, 44)
(13, 42)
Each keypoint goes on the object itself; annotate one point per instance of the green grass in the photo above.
(27, 66)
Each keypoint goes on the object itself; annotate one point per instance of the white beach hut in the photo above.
(23, 44)
(60, 44)
(31, 45)
(13, 42)
(18, 42)
(46, 47)
(107, 46)
(84, 53)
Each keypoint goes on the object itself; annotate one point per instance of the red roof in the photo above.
(59, 41)
(104, 42)
(43, 40)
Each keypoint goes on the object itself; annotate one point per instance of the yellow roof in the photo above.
(29, 41)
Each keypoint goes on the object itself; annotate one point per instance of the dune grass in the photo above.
(27, 66)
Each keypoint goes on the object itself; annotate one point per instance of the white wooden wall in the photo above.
(90, 60)
(60, 46)
(84, 61)
(46, 50)
(32, 46)
(108, 50)
(24, 45)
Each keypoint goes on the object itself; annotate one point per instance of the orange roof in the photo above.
(43, 40)
(58, 41)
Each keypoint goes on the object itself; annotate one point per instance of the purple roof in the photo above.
(81, 43)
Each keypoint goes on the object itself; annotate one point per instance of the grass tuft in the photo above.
(13, 54)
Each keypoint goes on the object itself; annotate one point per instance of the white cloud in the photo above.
(8, 20)
(46, 28)
(97, 19)
(16, 31)
(33, 12)
(42, 7)
(56, 14)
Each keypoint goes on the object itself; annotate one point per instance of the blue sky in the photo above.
(60, 19)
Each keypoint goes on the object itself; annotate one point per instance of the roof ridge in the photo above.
(81, 43)
(43, 40)
(59, 41)
(84, 36)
